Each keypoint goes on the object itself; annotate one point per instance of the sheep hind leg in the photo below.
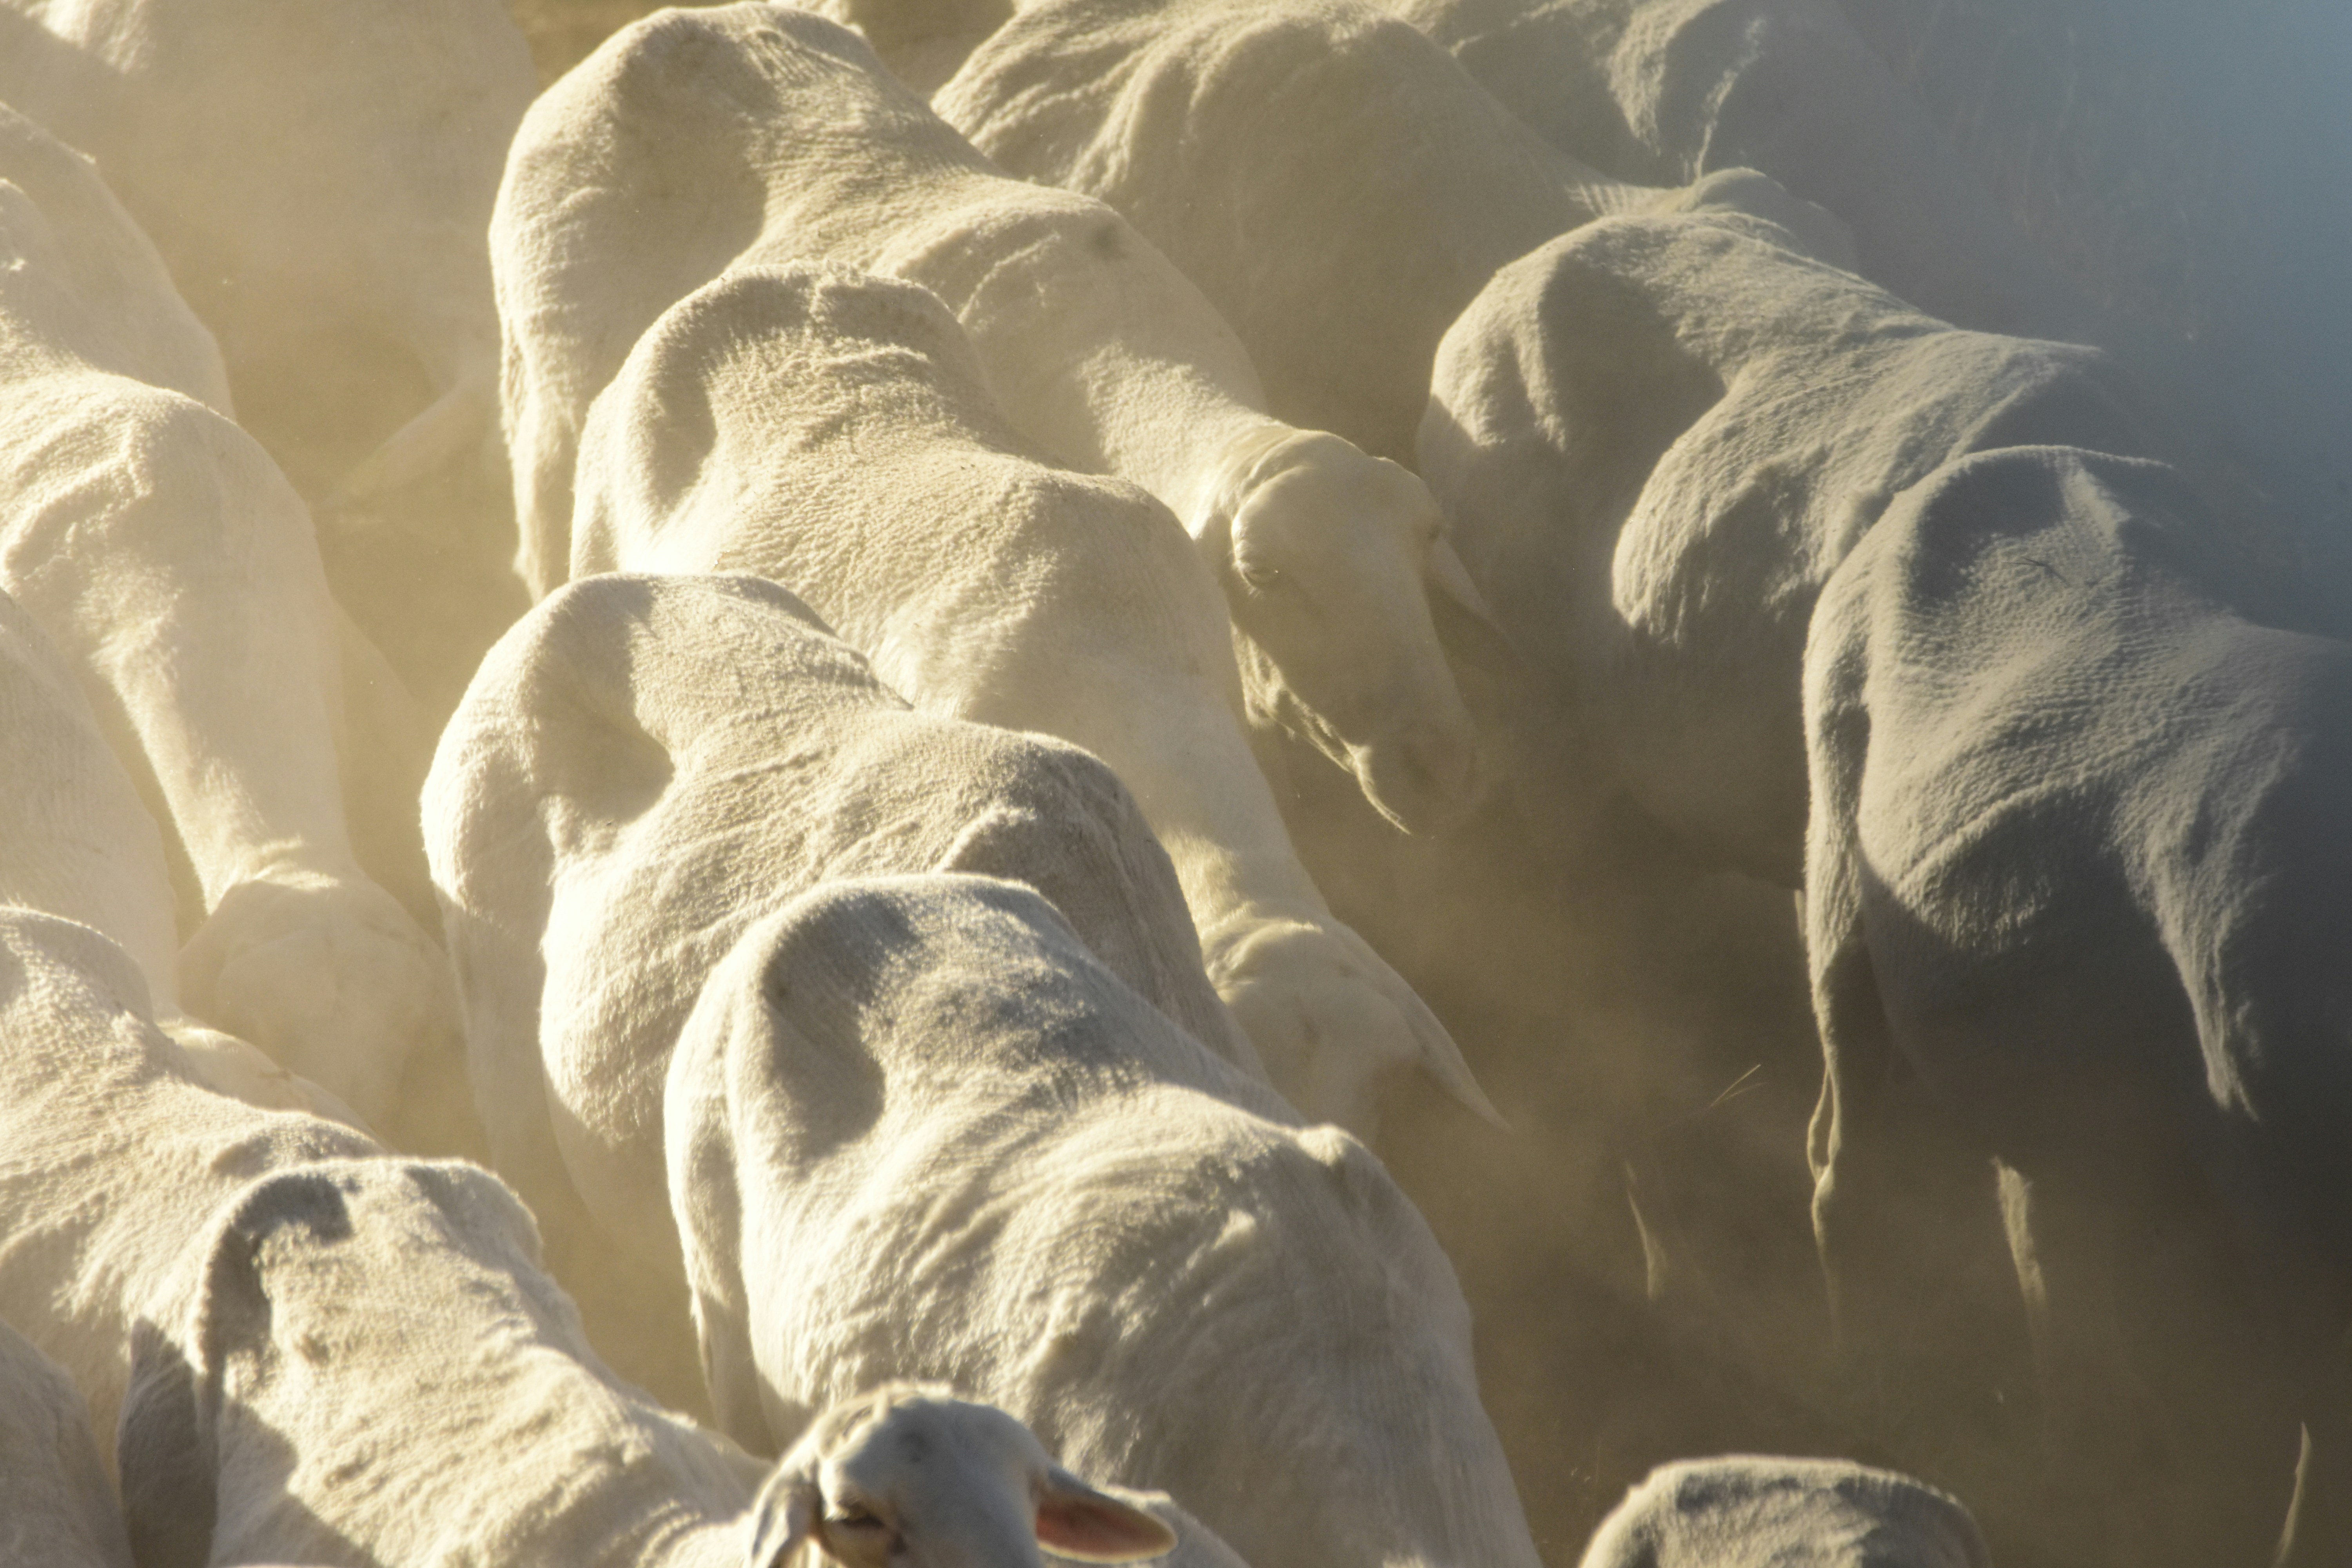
(2170, 1436)
(2319, 1532)
(2089, 1450)
(1905, 1218)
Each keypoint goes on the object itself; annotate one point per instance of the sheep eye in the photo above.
(854, 1518)
(1257, 578)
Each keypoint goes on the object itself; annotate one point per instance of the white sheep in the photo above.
(1657, 437)
(113, 1150)
(1337, 185)
(1748, 1511)
(363, 1363)
(2078, 885)
(641, 769)
(76, 842)
(175, 571)
(312, 1353)
(318, 182)
(1666, 91)
(916, 1130)
(885, 491)
(907, 1474)
(753, 134)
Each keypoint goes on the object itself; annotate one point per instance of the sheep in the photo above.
(758, 134)
(174, 570)
(113, 1150)
(76, 842)
(1658, 436)
(915, 1129)
(893, 1475)
(982, 582)
(313, 1352)
(1747, 1510)
(367, 1366)
(74, 838)
(2078, 881)
(55, 1507)
(1664, 92)
(1332, 180)
(641, 769)
(318, 182)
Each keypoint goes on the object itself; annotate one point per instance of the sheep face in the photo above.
(1328, 557)
(1294, 985)
(908, 1477)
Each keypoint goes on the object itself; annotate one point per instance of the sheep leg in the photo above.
(2168, 1411)
(1873, 1219)
(2319, 1520)
(1922, 1305)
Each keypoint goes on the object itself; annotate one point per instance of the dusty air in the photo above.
(1239, 784)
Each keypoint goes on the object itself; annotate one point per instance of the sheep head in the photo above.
(909, 1475)
(1327, 558)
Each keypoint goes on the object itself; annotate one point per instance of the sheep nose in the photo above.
(1426, 782)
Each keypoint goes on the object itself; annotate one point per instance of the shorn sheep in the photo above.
(747, 135)
(843, 442)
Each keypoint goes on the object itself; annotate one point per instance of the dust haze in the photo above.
(1632, 991)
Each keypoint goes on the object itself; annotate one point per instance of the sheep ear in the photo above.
(783, 1519)
(1075, 1521)
(1446, 570)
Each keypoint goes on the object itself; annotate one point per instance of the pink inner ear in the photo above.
(1097, 1529)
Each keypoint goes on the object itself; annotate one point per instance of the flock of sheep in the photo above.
(782, 643)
